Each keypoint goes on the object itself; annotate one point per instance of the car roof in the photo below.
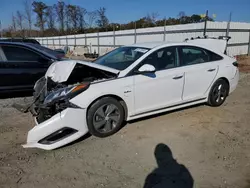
(29, 45)
(149, 44)
(27, 40)
(152, 45)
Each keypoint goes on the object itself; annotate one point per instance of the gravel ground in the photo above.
(206, 146)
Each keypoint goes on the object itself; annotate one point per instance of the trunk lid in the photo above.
(218, 44)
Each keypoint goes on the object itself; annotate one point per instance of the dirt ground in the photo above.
(209, 147)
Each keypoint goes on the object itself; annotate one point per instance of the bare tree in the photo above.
(28, 13)
(182, 17)
(102, 20)
(91, 17)
(181, 14)
(40, 9)
(13, 23)
(19, 22)
(67, 20)
(73, 15)
(50, 14)
(60, 10)
(151, 19)
(154, 16)
(81, 12)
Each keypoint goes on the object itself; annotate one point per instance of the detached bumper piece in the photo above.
(59, 130)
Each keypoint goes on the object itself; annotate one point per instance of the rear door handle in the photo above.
(211, 70)
(177, 77)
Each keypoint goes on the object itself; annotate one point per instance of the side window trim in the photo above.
(177, 56)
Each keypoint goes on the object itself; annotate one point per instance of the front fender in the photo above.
(117, 88)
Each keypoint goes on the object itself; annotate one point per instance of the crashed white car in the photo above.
(130, 82)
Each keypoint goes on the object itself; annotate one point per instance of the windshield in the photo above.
(122, 57)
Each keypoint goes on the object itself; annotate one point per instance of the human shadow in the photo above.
(169, 173)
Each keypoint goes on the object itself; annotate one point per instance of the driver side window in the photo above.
(162, 59)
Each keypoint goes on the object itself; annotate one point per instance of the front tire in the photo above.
(218, 93)
(105, 117)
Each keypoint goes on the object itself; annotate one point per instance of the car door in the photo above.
(22, 67)
(153, 91)
(199, 71)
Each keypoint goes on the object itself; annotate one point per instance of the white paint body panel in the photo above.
(198, 79)
(143, 94)
(74, 118)
(158, 90)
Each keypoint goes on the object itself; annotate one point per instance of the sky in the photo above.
(122, 11)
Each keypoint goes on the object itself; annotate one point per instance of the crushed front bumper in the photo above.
(61, 129)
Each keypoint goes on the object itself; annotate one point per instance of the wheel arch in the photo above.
(119, 99)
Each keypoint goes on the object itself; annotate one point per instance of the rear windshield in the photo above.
(47, 50)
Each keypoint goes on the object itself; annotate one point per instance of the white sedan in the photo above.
(130, 82)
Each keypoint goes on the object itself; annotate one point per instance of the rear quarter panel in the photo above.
(226, 70)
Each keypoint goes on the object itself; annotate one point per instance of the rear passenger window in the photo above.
(191, 56)
(194, 55)
(19, 54)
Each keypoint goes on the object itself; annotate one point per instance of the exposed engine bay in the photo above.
(52, 97)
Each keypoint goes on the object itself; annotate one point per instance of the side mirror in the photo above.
(146, 68)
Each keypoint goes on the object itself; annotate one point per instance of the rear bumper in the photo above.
(74, 120)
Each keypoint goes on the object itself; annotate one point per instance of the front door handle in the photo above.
(211, 70)
(177, 77)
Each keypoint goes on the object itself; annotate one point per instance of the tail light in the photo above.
(235, 64)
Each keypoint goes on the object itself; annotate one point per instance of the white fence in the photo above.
(105, 41)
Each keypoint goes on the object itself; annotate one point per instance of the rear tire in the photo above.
(218, 93)
(105, 117)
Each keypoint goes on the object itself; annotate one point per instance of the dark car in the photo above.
(22, 64)
(33, 41)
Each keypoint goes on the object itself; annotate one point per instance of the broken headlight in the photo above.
(65, 93)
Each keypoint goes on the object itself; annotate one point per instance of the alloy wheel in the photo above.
(106, 117)
(219, 93)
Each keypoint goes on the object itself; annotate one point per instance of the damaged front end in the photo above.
(53, 98)
(58, 121)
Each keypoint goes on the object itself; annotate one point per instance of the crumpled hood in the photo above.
(60, 71)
